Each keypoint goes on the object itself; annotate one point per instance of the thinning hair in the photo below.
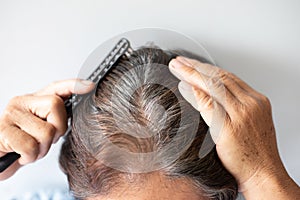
(126, 102)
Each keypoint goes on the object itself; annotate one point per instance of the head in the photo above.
(137, 138)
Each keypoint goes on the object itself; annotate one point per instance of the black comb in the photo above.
(122, 48)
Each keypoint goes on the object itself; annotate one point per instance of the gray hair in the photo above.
(138, 109)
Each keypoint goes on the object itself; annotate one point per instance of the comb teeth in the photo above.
(122, 48)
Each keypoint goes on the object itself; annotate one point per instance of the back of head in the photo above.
(137, 125)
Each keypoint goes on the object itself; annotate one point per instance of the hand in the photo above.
(31, 123)
(240, 119)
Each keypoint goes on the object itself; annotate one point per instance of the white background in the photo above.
(44, 41)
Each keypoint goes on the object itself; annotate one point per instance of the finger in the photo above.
(212, 86)
(187, 74)
(203, 103)
(67, 87)
(213, 113)
(210, 76)
(48, 108)
(192, 62)
(13, 139)
(206, 69)
(248, 89)
(41, 130)
(51, 108)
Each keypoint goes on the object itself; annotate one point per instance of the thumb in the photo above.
(67, 87)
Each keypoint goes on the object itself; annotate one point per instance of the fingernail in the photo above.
(176, 64)
(83, 86)
(183, 60)
(86, 82)
(187, 92)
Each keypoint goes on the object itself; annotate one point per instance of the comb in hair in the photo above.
(122, 48)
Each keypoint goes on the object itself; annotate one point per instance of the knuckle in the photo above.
(191, 72)
(3, 134)
(31, 149)
(48, 132)
(208, 102)
(243, 110)
(13, 103)
(50, 129)
(11, 111)
(251, 102)
(15, 99)
(4, 124)
(266, 101)
(55, 101)
(204, 101)
(223, 75)
(219, 72)
(5, 118)
(216, 87)
(219, 76)
(252, 106)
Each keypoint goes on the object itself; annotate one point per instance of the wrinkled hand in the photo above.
(239, 117)
(31, 123)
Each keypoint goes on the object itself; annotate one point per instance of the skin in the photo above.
(39, 119)
(154, 186)
(246, 141)
(239, 116)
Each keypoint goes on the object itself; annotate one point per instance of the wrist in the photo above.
(273, 184)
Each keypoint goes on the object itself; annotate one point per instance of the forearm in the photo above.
(276, 186)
